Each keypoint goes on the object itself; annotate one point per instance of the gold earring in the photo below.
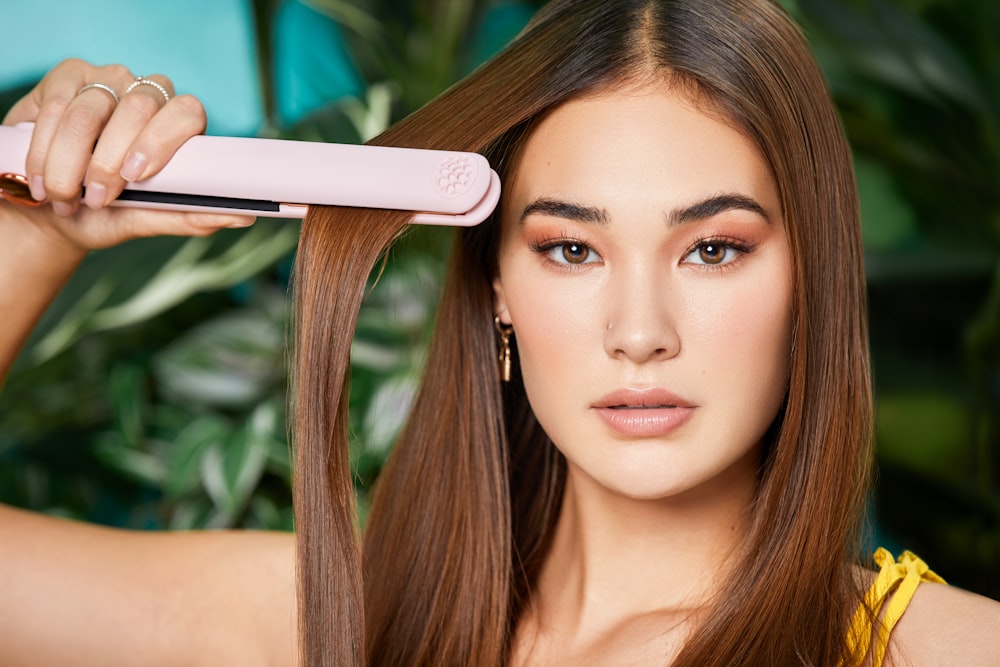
(505, 331)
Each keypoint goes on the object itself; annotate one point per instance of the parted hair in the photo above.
(464, 510)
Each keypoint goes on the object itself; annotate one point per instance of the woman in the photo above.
(670, 467)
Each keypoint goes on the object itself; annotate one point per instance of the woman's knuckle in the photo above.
(140, 104)
(71, 63)
(202, 231)
(60, 187)
(102, 168)
(53, 106)
(190, 106)
(83, 121)
(117, 71)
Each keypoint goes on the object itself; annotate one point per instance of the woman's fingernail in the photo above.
(242, 222)
(37, 187)
(96, 195)
(62, 208)
(134, 165)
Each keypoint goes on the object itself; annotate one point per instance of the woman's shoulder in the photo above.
(945, 625)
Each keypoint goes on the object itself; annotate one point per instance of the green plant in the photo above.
(916, 82)
(153, 393)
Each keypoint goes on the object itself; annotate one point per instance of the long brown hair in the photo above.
(464, 509)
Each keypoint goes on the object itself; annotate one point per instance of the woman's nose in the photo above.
(641, 326)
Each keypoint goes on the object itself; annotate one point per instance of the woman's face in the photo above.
(645, 268)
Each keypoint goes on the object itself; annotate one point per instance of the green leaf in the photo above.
(388, 410)
(192, 514)
(886, 217)
(231, 471)
(232, 360)
(191, 269)
(896, 49)
(186, 451)
(927, 431)
(128, 399)
(266, 514)
(120, 455)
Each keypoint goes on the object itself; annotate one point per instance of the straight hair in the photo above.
(463, 512)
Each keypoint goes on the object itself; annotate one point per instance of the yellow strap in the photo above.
(892, 590)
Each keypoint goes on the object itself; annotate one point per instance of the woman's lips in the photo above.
(643, 413)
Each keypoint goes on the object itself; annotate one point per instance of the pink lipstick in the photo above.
(643, 413)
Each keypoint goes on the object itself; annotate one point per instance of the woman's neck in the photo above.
(614, 559)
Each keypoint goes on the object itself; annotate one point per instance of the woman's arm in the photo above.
(83, 595)
(32, 271)
(74, 594)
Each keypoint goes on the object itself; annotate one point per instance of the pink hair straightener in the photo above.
(281, 179)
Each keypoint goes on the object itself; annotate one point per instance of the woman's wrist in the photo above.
(38, 250)
(34, 265)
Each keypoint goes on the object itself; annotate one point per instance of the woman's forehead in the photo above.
(654, 144)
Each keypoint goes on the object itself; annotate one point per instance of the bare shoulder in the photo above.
(944, 625)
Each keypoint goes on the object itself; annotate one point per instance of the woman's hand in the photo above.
(86, 135)
(83, 136)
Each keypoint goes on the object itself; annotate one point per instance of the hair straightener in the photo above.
(281, 178)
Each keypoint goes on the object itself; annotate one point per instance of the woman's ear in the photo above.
(500, 302)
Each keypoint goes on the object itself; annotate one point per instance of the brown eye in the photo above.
(567, 252)
(712, 253)
(717, 253)
(575, 253)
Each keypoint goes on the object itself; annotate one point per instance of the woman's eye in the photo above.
(572, 252)
(713, 253)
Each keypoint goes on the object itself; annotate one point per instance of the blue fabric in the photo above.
(312, 66)
(500, 25)
(207, 47)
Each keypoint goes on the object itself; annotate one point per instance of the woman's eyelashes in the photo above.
(566, 252)
(710, 253)
(717, 252)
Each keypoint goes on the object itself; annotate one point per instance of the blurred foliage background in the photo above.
(153, 393)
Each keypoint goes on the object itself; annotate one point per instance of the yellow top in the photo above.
(887, 599)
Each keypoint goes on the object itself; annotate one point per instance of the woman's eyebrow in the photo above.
(713, 206)
(701, 210)
(568, 210)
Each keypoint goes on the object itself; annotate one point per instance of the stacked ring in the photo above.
(143, 81)
(101, 86)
